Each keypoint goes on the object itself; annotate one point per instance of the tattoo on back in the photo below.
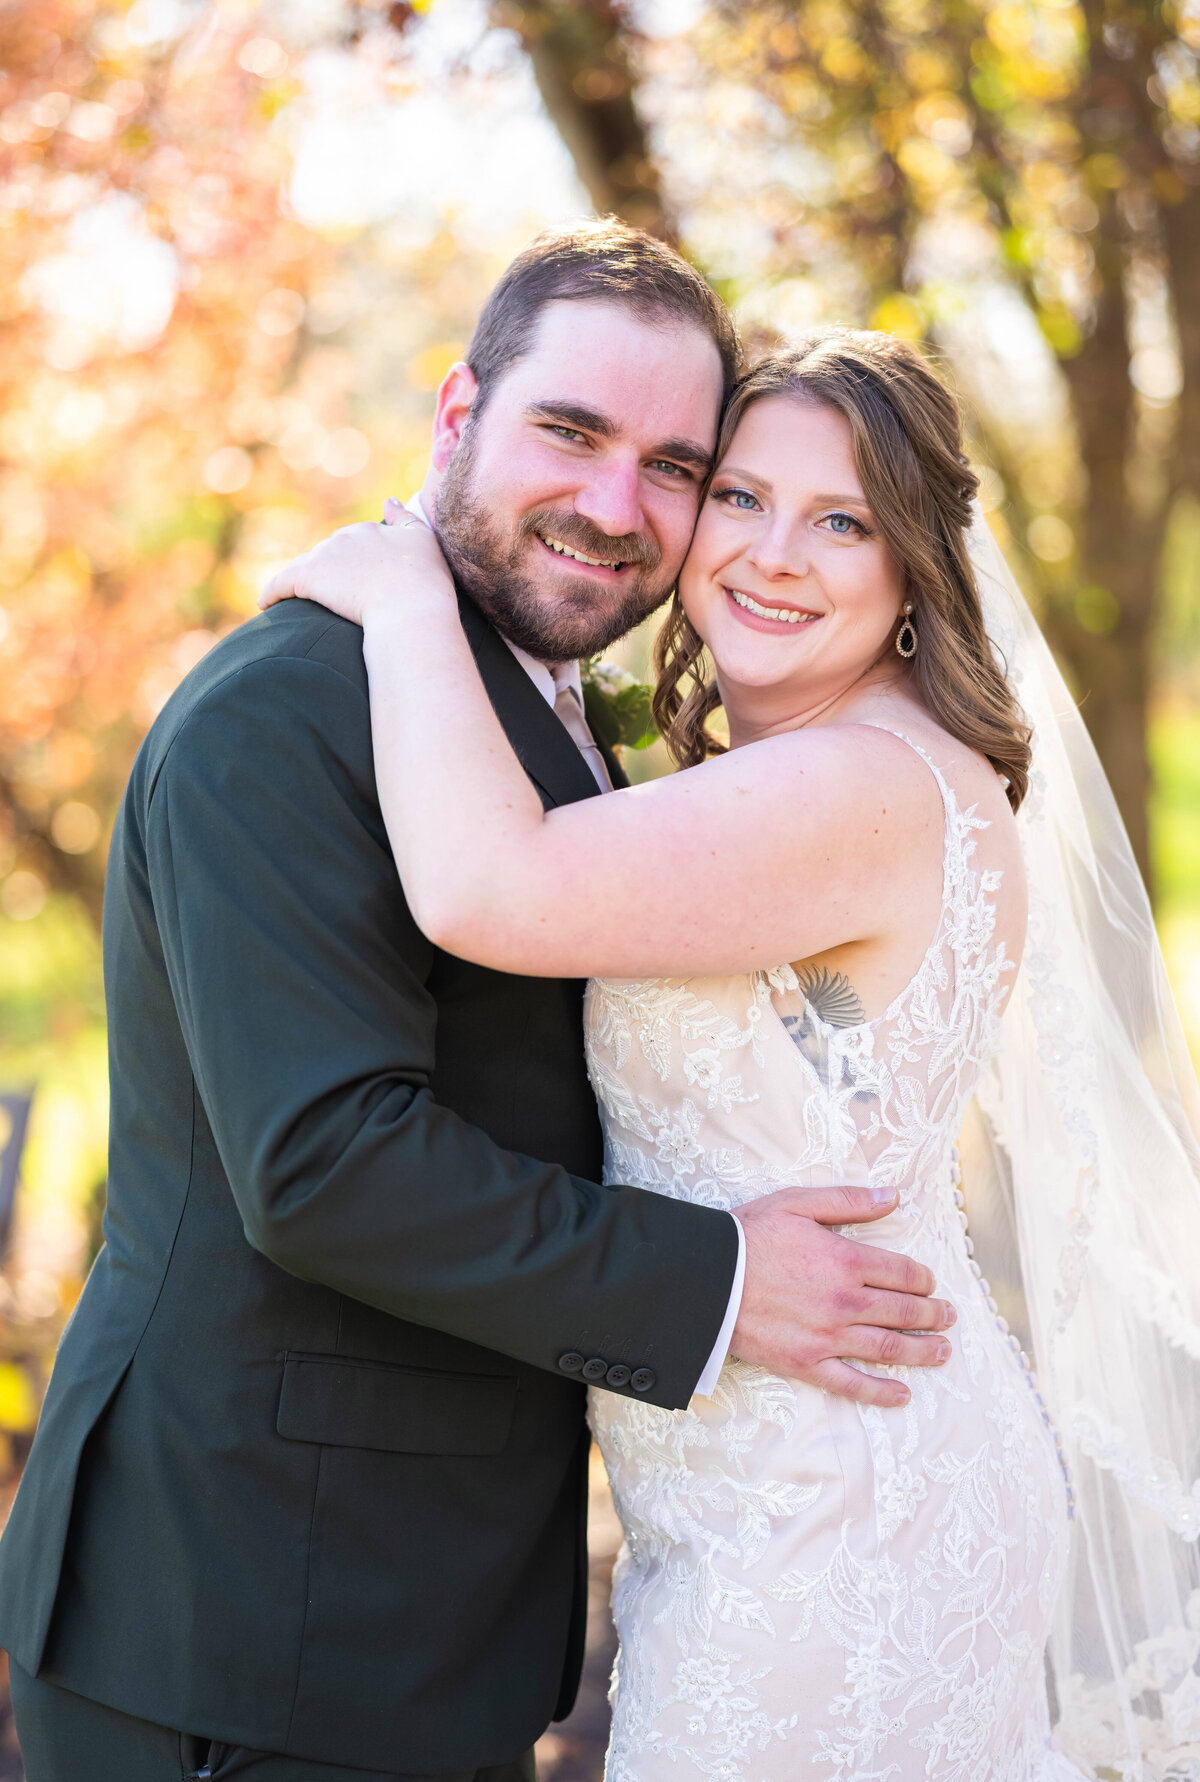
(830, 1001)
(831, 996)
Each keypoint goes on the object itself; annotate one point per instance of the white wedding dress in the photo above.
(809, 1588)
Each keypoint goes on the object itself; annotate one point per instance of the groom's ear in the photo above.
(456, 393)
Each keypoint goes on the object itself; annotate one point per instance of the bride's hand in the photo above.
(366, 568)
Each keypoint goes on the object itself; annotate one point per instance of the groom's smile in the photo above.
(572, 543)
(562, 550)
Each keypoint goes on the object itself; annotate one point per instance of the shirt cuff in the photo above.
(706, 1385)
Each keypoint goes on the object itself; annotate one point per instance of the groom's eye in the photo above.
(671, 468)
(571, 434)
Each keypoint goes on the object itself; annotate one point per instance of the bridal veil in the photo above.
(1087, 1131)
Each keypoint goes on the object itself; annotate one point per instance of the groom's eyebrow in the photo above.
(591, 420)
(685, 451)
(574, 414)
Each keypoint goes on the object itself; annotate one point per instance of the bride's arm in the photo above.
(770, 853)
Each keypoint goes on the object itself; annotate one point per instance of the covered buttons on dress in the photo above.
(1014, 1342)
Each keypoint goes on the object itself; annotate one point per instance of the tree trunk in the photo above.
(579, 53)
(1123, 535)
(1120, 550)
(1181, 238)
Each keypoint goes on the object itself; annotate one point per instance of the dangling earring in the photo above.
(906, 637)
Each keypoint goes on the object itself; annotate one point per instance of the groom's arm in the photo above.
(296, 970)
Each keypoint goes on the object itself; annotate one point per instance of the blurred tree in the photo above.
(157, 381)
(582, 55)
(1098, 201)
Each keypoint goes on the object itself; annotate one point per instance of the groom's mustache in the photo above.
(581, 535)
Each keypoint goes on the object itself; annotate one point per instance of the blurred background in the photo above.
(240, 244)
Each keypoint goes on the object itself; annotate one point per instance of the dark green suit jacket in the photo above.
(310, 1477)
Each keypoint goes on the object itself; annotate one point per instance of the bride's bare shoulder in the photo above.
(970, 775)
(977, 787)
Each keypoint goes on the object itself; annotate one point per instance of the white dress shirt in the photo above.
(553, 680)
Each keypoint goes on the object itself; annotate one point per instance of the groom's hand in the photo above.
(814, 1300)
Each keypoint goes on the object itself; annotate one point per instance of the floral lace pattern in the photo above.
(809, 1587)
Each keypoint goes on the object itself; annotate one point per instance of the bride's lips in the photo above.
(758, 621)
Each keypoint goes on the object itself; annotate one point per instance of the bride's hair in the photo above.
(908, 450)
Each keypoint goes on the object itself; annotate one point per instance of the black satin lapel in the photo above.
(544, 748)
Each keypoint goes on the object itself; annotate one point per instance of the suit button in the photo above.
(570, 1363)
(642, 1379)
(595, 1369)
(618, 1374)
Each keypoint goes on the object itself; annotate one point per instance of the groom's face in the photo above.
(566, 504)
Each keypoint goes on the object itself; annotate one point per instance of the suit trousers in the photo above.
(67, 1738)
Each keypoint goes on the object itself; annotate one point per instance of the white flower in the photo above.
(897, 1497)
(702, 1680)
(965, 1731)
(857, 1043)
(610, 678)
(865, 1674)
(676, 1144)
(703, 1068)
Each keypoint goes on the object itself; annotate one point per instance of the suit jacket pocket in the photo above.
(343, 1402)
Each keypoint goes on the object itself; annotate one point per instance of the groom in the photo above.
(306, 1504)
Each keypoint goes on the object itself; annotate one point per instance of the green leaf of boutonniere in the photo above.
(617, 705)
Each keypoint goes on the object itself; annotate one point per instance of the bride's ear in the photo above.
(456, 394)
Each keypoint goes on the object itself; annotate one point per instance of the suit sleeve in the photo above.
(295, 969)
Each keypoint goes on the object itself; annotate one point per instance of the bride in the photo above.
(805, 956)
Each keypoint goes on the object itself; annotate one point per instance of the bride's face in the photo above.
(786, 527)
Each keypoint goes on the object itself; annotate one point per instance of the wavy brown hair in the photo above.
(908, 450)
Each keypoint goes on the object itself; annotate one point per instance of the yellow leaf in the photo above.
(18, 1401)
(846, 62)
(427, 368)
(899, 315)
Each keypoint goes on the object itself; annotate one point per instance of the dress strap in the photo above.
(960, 822)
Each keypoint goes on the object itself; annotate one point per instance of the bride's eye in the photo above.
(846, 526)
(741, 499)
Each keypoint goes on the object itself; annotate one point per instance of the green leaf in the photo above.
(621, 720)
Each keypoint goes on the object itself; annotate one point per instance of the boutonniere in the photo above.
(617, 705)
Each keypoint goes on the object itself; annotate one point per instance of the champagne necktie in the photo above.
(570, 712)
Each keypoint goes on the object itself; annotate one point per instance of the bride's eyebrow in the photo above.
(743, 476)
(841, 501)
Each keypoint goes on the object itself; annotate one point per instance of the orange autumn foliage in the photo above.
(155, 363)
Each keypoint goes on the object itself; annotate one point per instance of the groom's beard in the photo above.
(556, 615)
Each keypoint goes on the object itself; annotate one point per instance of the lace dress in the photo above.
(810, 1588)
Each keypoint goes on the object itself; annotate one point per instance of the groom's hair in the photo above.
(602, 260)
